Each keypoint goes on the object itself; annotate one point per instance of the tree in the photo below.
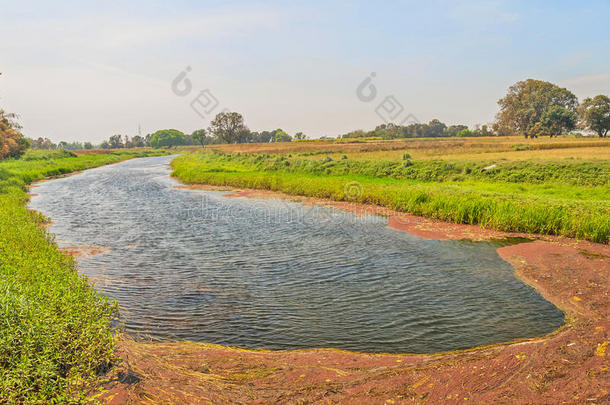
(42, 143)
(200, 137)
(88, 145)
(167, 138)
(557, 119)
(264, 136)
(12, 141)
(526, 103)
(136, 141)
(595, 114)
(116, 141)
(539, 130)
(300, 136)
(229, 127)
(484, 131)
(464, 133)
(281, 136)
(435, 128)
(453, 130)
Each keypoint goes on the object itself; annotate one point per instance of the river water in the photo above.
(198, 265)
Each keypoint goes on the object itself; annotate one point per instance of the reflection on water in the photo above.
(197, 265)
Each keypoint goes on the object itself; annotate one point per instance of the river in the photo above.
(267, 273)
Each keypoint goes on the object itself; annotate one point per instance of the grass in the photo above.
(506, 148)
(554, 197)
(55, 333)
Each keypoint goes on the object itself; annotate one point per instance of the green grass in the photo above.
(569, 199)
(55, 331)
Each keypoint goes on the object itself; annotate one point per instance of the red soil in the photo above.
(84, 251)
(568, 366)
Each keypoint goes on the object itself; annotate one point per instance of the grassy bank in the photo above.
(569, 198)
(55, 332)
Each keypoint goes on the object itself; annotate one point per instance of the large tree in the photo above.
(229, 127)
(527, 102)
(12, 141)
(166, 138)
(595, 114)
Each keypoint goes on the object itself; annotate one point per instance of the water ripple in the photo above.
(196, 265)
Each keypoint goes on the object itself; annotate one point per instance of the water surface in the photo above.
(197, 265)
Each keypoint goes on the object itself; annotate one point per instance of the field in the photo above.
(541, 186)
(59, 335)
(56, 330)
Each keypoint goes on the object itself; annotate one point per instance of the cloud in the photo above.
(588, 79)
(107, 32)
(588, 85)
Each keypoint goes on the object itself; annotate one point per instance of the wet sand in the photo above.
(569, 365)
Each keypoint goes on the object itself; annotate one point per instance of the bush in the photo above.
(38, 154)
(56, 333)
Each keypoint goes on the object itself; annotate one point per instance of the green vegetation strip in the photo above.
(55, 331)
(569, 199)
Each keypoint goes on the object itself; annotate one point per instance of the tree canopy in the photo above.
(166, 138)
(200, 136)
(558, 119)
(229, 127)
(12, 141)
(595, 114)
(531, 107)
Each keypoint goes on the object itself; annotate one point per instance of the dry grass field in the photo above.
(488, 148)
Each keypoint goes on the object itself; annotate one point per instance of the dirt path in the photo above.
(569, 366)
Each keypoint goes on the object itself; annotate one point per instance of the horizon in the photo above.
(84, 72)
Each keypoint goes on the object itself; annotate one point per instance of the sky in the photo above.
(86, 70)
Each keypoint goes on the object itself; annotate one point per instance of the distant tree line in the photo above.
(433, 129)
(227, 127)
(531, 108)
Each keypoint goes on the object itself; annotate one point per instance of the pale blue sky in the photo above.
(86, 70)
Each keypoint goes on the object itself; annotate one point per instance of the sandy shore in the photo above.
(569, 365)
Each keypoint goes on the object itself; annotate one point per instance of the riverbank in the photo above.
(540, 197)
(567, 365)
(567, 360)
(56, 336)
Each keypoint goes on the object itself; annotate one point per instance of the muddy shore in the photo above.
(567, 366)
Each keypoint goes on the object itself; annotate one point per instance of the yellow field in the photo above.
(489, 148)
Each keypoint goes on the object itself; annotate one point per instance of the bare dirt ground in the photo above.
(568, 366)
